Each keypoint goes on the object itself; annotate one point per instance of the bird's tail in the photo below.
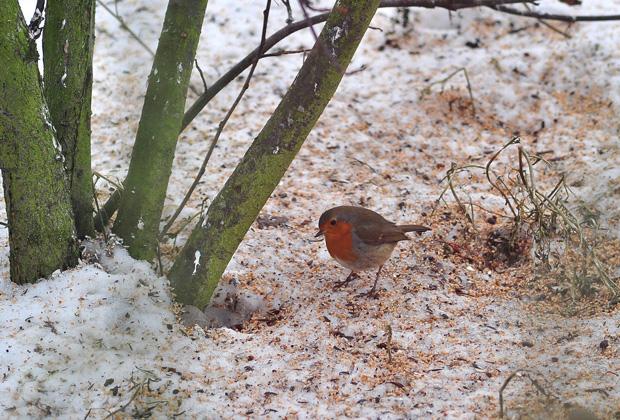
(413, 228)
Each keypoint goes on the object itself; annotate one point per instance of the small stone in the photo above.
(193, 316)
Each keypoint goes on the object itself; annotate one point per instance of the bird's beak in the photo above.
(318, 234)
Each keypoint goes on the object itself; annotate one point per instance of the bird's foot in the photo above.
(346, 281)
(372, 294)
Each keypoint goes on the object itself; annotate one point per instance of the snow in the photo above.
(196, 261)
(278, 340)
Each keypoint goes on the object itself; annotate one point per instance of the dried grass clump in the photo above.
(565, 235)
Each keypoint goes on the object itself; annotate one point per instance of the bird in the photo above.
(361, 239)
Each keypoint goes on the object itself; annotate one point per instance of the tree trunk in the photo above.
(41, 232)
(213, 241)
(153, 152)
(68, 41)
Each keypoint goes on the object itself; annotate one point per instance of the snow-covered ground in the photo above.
(446, 331)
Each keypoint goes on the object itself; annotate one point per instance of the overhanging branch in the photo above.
(552, 16)
(278, 36)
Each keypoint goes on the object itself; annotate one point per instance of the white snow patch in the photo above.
(196, 261)
(180, 73)
(336, 34)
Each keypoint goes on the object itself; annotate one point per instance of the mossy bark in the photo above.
(41, 231)
(143, 198)
(199, 266)
(68, 41)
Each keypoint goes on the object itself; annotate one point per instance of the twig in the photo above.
(445, 80)
(361, 162)
(552, 16)
(121, 22)
(514, 140)
(302, 5)
(448, 177)
(104, 215)
(116, 184)
(358, 70)
(184, 224)
(450, 4)
(126, 27)
(521, 373)
(202, 76)
(530, 187)
(311, 7)
(161, 265)
(554, 29)
(138, 388)
(289, 11)
(471, 95)
(105, 235)
(550, 26)
(221, 126)
(451, 172)
(285, 52)
(388, 344)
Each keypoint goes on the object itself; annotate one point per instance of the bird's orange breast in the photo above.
(339, 241)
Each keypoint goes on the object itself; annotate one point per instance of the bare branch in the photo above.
(450, 4)
(126, 28)
(552, 16)
(286, 52)
(302, 4)
(289, 11)
(202, 76)
(278, 36)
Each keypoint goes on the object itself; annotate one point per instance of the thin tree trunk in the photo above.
(153, 152)
(199, 266)
(68, 41)
(41, 231)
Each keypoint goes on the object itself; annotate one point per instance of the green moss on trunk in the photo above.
(41, 231)
(153, 152)
(198, 268)
(68, 42)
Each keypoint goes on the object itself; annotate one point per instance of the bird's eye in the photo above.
(332, 222)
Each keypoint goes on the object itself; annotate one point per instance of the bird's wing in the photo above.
(388, 233)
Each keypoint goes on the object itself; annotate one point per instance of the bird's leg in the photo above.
(346, 281)
(373, 292)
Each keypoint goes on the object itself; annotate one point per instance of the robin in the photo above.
(360, 239)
